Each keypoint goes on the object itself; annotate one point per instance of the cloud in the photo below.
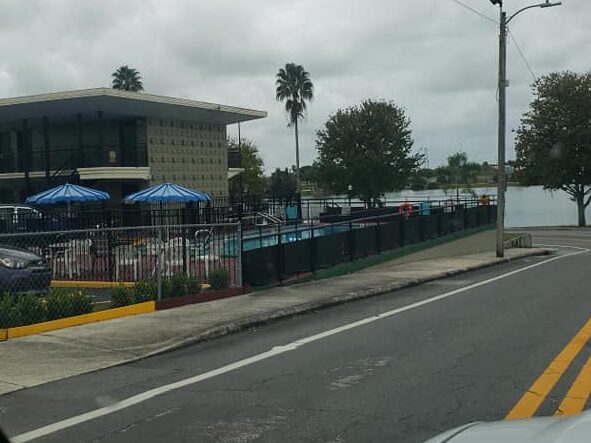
(433, 57)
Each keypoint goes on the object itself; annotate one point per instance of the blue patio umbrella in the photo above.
(67, 193)
(167, 192)
(164, 193)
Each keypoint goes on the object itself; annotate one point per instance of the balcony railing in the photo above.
(71, 157)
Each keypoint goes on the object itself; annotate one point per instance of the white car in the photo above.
(575, 429)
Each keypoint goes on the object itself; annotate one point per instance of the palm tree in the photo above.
(295, 88)
(127, 79)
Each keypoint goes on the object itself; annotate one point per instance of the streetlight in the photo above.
(501, 180)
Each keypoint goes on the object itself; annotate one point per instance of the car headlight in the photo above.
(13, 263)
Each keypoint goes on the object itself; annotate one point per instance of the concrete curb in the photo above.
(243, 323)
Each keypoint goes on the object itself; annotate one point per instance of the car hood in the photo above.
(575, 429)
(18, 254)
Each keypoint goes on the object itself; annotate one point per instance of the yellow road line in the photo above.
(535, 395)
(578, 394)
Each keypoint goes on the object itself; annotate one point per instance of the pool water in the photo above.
(261, 241)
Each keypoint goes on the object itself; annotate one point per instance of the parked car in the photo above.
(575, 429)
(23, 218)
(23, 271)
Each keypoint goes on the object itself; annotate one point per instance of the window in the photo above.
(193, 160)
(174, 176)
(172, 159)
(202, 161)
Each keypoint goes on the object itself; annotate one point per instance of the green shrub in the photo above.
(179, 285)
(218, 279)
(9, 314)
(145, 290)
(122, 296)
(62, 303)
(193, 285)
(31, 309)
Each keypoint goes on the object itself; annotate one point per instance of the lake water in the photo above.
(526, 206)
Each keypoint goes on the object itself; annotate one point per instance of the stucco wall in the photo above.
(189, 153)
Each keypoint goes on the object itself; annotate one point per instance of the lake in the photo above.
(526, 206)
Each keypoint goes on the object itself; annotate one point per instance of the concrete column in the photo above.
(25, 151)
(79, 146)
(101, 137)
(46, 151)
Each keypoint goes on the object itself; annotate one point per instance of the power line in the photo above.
(522, 55)
(475, 11)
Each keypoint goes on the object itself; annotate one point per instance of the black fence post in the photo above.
(279, 256)
(477, 214)
(402, 228)
(378, 238)
(465, 215)
(110, 263)
(312, 250)
(440, 223)
(351, 242)
(422, 227)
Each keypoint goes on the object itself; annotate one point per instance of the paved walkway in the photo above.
(37, 359)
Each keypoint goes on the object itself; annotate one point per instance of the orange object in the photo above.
(406, 209)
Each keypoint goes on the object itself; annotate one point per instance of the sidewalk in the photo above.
(37, 359)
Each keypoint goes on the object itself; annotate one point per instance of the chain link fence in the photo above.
(49, 275)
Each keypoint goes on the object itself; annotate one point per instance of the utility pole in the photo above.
(501, 135)
(502, 85)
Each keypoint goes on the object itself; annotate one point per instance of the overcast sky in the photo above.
(433, 57)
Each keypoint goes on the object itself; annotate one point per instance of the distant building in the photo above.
(114, 140)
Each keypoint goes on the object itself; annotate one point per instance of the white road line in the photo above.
(561, 246)
(277, 350)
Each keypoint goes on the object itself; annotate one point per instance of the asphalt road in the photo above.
(426, 365)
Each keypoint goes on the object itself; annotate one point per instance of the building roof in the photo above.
(115, 102)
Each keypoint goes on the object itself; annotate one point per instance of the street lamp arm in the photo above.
(541, 5)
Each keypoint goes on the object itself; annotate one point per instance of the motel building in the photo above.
(116, 141)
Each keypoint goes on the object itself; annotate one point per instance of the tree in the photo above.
(553, 145)
(253, 178)
(282, 183)
(367, 149)
(294, 87)
(458, 173)
(127, 79)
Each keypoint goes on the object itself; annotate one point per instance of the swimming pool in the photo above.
(288, 235)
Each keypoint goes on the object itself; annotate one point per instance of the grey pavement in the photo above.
(403, 377)
(38, 359)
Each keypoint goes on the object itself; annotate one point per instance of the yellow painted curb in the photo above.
(108, 314)
(98, 284)
(3, 334)
(90, 284)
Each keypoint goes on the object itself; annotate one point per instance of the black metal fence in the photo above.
(287, 251)
(29, 261)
